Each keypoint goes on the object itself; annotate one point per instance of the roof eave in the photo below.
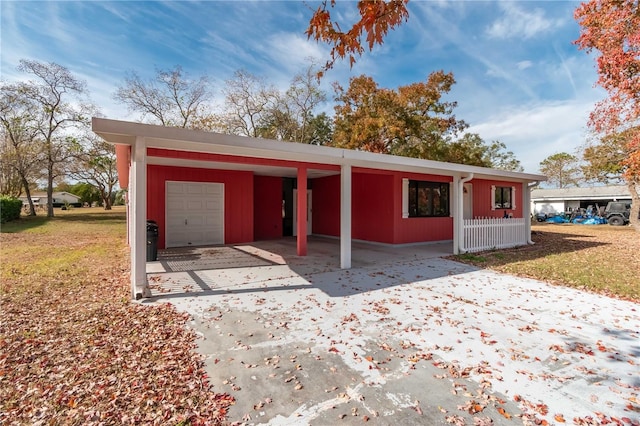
(125, 133)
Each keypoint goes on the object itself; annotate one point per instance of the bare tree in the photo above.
(95, 163)
(248, 104)
(58, 97)
(10, 181)
(21, 150)
(303, 97)
(171, 98)
(291, 115)
(256, 109)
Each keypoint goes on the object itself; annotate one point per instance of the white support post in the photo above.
(526, 211)
(460, 217)
(128, 198)
(345, 216)
(456, 213)
(138, 209)
(128, 216)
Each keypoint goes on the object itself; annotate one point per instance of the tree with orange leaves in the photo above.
(612, 28)
(377, 17)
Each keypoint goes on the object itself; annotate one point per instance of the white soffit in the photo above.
(255, 168)
(124, 132)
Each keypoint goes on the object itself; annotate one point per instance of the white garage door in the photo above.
(195, 214)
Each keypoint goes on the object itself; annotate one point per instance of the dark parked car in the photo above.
(617, 213)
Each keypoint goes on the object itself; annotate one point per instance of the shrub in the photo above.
(9, 208)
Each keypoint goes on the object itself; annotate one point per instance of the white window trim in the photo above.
(405, 198)
(450, 196)
(493, 197)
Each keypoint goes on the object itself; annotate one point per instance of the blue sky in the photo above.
(519, 77)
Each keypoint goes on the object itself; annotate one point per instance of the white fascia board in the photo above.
(581, 198)
(125, 132)
(173, 138)
(417, 165)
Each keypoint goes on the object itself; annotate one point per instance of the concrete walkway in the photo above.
(421, 340)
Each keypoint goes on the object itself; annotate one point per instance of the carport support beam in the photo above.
(345, 216)
(138, 184)
(302, 212)
(526, 209)
(460, 211)
(455, 207)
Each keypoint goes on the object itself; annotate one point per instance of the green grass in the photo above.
(472, 258)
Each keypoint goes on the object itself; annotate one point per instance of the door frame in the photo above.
(295, 211)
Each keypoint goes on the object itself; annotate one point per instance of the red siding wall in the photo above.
(418, 229)
(267, 207)
(253, 204)
(238, 198)
(482, 198)
(326, 206)
(376, 209)
(372, 207)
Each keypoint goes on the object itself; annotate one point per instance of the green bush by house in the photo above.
(9, 208)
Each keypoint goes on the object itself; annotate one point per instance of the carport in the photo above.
(139, 146)
(372, 197)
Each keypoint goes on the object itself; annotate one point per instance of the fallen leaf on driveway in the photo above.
(504, 413)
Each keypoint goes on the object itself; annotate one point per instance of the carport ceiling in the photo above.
(259, 170)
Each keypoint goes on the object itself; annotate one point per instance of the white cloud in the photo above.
(290, 51)
(535, 131)
(493, 60)
(523, 65)
(519, 23)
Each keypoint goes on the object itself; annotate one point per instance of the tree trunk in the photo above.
(106, 197)
(634, 219)
(107, 202)
(50, 185)
(27, 191)
(50, 198)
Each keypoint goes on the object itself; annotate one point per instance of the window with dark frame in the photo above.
(428, 199)
(503, 197)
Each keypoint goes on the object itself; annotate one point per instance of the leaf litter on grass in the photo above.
(77, 351)
(599, 258)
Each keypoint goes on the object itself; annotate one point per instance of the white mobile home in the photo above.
(59, 199)
(565, 200)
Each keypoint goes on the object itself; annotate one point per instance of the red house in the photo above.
(206, 188)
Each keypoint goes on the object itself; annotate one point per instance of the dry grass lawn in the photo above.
(75, 350)
(599, 258)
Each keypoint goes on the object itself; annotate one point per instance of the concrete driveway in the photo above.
(405, 337)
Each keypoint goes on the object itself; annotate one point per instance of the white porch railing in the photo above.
(493, 233)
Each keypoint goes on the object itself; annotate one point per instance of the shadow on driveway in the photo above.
(402, 340)
(274, 266)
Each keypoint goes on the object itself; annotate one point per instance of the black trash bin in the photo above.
(152, 241)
